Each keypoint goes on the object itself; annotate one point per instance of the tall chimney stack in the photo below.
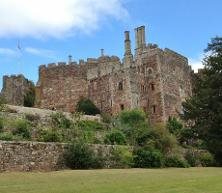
(127, 43)
(140, 37)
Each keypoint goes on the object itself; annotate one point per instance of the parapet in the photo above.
(175, 54)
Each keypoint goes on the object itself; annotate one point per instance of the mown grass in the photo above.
(191, 180)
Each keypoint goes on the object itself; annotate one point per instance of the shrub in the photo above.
(80, 156)
(6, 136)
(1, 124)
(206, 159)
(29, 98)
(121, 157)
(175, 161)
(174, 126)
(132, 117)
(59, 120)
(115, 138)
(50, 135)
(87, 107)
(90, 125)
(32, 118)
(2, 104)
(192, 157)
(133, 123)
(22, 129)
(148, 158)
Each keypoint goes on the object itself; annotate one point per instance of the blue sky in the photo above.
(48, 31)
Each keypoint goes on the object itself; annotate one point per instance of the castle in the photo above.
(153, 79)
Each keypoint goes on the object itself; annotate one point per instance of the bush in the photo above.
(50, 135)
(1, 124)
(133, 123)
(6, 136)
(175, 161)
(115, 138)
(132, 117)
(192, 157)
(87, 107)
(22, 129)
(90, 125)
(148, 158)
(2, 104)
(206, 159)
(80, 156)
(59, 120)
(174, 126)
(121, 157)
(29, 98)
(32, 118)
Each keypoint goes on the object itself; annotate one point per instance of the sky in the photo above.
(35, 32)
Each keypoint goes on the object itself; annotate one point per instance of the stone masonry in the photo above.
(152, 79)
(15, 89)
(37, 156)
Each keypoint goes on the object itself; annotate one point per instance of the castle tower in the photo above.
(128, 57)
(140, 38)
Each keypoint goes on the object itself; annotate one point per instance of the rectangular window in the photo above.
(120, 86)
(152, 86)
(154, 109)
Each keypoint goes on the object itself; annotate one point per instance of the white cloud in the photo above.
(8, 52)
(46, 53)
(55, 18)
(40, 52)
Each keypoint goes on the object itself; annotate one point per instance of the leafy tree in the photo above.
(29, 98)
(134, 125)
(87, 107)
(204, 109)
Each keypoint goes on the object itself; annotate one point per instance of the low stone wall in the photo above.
(37, 156)
(29, 156)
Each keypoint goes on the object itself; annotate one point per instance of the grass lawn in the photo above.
(191, 180)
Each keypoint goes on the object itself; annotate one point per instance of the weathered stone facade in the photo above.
(153, 79)
(15, 88)
(37, 156)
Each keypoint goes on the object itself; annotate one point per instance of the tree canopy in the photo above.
(204, 109)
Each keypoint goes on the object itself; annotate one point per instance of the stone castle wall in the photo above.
(37, 156)
(61, 86)
(29, 156)
(15, 88)
(176, 80)
(155, 80)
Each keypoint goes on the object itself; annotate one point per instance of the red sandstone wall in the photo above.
(177, 77)
(61, 87)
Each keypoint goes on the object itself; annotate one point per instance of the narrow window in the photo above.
(154, 109)
(122, 107)
(120, 86)
(152, 86)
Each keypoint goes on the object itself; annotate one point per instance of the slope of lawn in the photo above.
(191, 180)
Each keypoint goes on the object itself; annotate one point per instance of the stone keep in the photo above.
(153, 79)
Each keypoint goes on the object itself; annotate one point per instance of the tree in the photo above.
(204, 109)
(87, 107)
